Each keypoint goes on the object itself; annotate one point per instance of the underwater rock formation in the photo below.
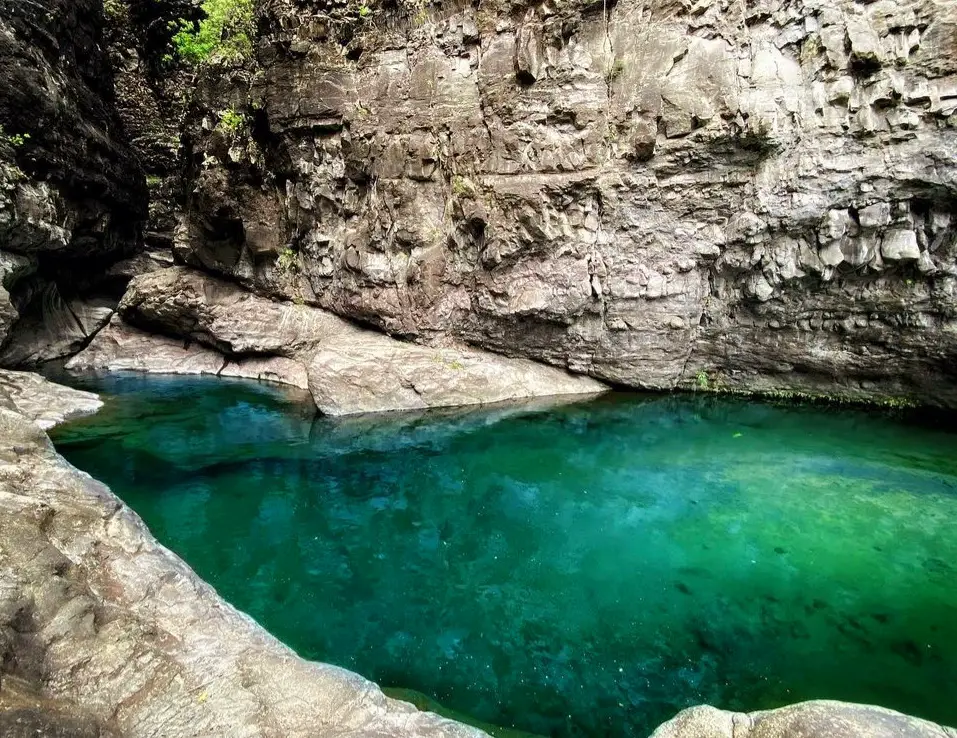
(95, 612)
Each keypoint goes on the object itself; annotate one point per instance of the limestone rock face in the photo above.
(815, 719)
(348, 369)
(761, 193)
(95, 612)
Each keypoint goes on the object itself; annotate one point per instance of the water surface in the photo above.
(584, 570)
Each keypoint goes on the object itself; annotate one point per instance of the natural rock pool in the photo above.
(585, 569)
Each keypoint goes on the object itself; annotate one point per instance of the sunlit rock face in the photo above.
(754, 196)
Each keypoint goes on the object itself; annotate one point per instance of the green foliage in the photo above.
(364, 11)
(701, 380)
(16, 140)
(153, 181)
(421, 16)
(116, 10)
(230, 121)
(286, 261)
(463, 186)
(224, 33)
(453, 364)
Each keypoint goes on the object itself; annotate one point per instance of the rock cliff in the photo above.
(72, 193)
(756, 196)
(660, 194)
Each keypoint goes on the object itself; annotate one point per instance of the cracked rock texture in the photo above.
(95, 612)
(348, 369)
(657, 193)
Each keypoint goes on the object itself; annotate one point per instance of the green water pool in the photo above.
(583, 569)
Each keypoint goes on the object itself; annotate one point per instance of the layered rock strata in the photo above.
(757, 196)
(348, 369)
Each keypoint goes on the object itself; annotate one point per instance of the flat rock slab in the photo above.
(348, 369)
(44, 402)
(814, 719)
(370, 372)
(121, 347)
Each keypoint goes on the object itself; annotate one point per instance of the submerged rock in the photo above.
(348, 369)
(815, 719)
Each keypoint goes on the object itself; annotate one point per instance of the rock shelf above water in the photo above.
(219, 328)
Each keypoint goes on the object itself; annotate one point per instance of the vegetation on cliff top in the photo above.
(224, 34)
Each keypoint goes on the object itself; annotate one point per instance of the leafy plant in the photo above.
(115, 10)
(13, 139)
(701, 380)
(286, 261)
(224, 33)
(462, 186)
(230, 120)
(364, 11)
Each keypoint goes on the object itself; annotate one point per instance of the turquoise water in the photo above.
(581, 570)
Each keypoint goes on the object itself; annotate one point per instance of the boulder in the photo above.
(815, 719)
(369, 372)
(44, 402)
(900, 245)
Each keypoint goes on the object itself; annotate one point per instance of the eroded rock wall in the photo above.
(659, 194)
(72, 192)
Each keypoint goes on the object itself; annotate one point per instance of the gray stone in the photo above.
(120, 347)
(349, 369)
(900, 245)
(815, 719)
(444, 204)
(55, 329)
(44, 402)
(369, 372)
